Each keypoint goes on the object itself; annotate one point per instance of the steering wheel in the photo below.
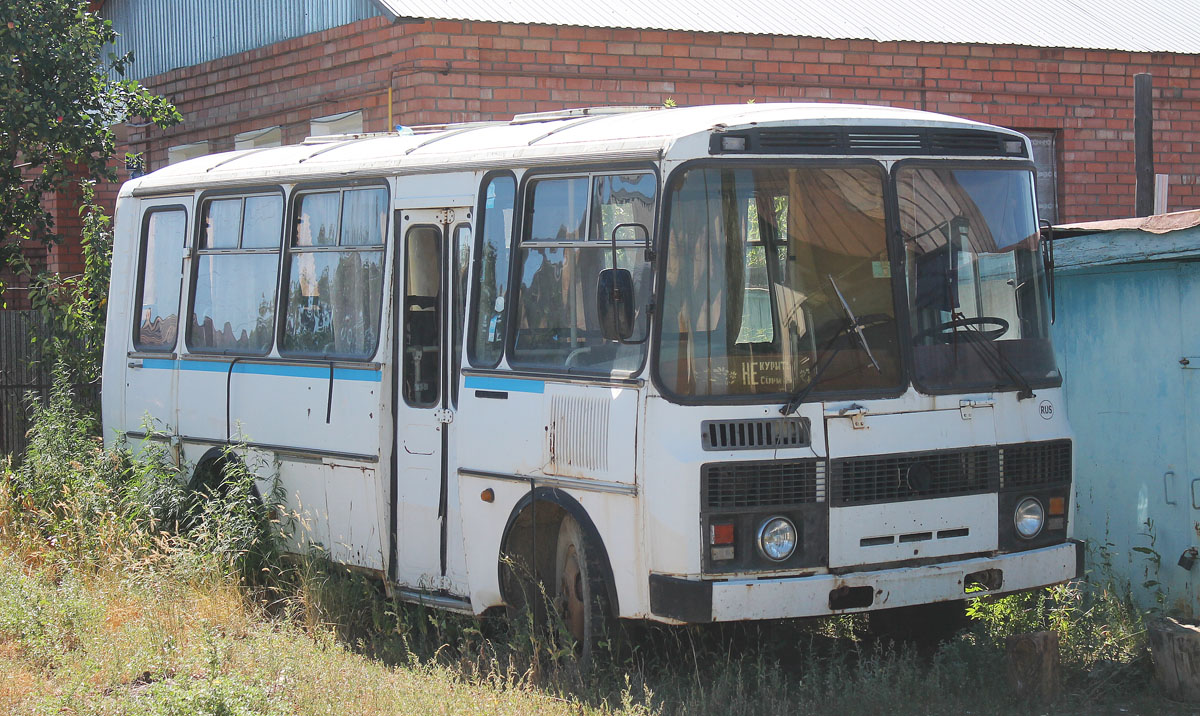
(947, 329)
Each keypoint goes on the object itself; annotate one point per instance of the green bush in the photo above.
(219, 696)
(72, 501)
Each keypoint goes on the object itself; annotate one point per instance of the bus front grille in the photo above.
(1035, 464)
(946, 473)
(761, 483)
(914, 476)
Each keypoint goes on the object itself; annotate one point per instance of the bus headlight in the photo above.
(1029, 518)
(777, 538)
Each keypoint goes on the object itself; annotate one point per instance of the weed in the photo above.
(72, 502)
(220, 696)
(43, 618)
(126, 588)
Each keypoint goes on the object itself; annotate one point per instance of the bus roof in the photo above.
(595, 135)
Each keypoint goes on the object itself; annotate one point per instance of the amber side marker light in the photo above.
(722, 533)
(1058, 506)
(488, 495)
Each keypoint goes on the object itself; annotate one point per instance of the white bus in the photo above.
(691, 365)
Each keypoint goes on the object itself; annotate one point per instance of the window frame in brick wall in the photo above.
(184, 152)
(257, 138)
(351, 122)
(1045, 158)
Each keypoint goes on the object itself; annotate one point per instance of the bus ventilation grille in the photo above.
(1035, 464)
(775, 483)
(756, 434)
(806, 141)
(926, 141)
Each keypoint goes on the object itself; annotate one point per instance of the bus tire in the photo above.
(581, 595)
(210, 480)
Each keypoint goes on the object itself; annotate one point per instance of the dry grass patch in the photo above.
(160, 647)
(121, 593)
(17, 682)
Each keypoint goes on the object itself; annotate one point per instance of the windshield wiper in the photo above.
(995, 359)
(852, 326)
(798, 397)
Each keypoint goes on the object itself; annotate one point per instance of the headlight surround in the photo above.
(777, 539)
(1029, 518)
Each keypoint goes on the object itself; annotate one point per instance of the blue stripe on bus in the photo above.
(372, 375)
(515, 385)
(159, 363)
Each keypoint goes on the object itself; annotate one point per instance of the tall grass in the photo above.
(121, 592)
(71, 503)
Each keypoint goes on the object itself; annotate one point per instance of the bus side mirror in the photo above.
(614, 304)
(1046, 236)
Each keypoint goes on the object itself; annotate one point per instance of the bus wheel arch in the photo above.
(209, 473)
(535, 525)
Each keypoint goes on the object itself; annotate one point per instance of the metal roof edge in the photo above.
(1154, 224)
(435, 164)
(1125, 246)
(1050, 24)
(388, 12)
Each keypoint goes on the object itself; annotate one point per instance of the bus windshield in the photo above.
(975, 281)
(769, 269)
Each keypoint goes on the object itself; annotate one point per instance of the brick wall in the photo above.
(458, 71)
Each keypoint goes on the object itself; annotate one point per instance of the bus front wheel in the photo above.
(580, 594)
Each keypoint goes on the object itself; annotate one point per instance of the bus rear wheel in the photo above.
(580, 594)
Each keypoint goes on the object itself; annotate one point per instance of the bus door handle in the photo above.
(1167, 476)
(1195, 506)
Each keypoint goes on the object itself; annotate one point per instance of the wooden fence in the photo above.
(23, 371)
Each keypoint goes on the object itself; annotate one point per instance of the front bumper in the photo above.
(700, 601)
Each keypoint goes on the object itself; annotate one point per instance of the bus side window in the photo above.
(163, 234)
(335, 275)
(237, 264)
(461, 251)
(422, 317)
(485, 342)
(566, 243)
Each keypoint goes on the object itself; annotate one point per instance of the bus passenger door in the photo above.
(424, 348)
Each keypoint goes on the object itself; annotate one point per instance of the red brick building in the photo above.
(373, 65)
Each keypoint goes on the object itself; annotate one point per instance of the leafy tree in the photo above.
(61, 92)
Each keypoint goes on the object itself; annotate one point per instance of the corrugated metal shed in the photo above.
(1167, 26)
(166, 34)
(1128, 307)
